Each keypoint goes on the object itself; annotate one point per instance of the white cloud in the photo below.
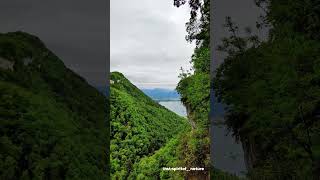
(148, 41)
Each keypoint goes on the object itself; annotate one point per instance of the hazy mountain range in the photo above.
(161, 94)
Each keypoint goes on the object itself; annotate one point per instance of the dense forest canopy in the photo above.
(272, 91)
(53, 124)
(143, 133)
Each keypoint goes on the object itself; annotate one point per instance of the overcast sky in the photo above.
(244, 13)
(75, 30)
(148, 41)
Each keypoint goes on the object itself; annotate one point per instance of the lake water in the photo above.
(175, 106)
(227, 154)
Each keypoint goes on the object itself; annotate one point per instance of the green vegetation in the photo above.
(273, 94)
(142, 132)
(194, 88)
(144, 141)
(195, 93)
(53, 125)
(167, 156)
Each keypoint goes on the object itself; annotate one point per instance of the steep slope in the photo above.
(139, 127)
(53, 124)
(194, 89)
(195, 94)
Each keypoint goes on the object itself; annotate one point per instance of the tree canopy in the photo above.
(272, 92)
(53, 124)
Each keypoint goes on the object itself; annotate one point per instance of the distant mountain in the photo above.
(161, 94)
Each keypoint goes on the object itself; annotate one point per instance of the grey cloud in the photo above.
(147, 41)
(244, 13)
(75, 30)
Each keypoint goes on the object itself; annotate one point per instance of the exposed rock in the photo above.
(189, 115)
(249, 153)
(27, 61)
(6, 64)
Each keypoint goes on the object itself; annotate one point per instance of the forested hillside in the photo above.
(143, 133)
(53, 124)
(273, 93)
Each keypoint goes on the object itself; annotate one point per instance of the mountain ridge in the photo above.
(162, 94)
(53, 124)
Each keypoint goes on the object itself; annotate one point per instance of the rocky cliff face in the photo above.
(196, 175)
(190, 115)
(249, 153)
(6, 64)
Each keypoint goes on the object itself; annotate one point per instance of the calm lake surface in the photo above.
(175, 106)
(227, 154)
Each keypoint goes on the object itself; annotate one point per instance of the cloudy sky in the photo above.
(148, 41)
(75, 30)
(244, 13)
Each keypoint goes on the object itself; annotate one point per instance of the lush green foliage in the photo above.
(167, 156)
(138, 121)
(52, 123)
(194, 88)
(139, 127)
(273, 94)
(195, 94)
